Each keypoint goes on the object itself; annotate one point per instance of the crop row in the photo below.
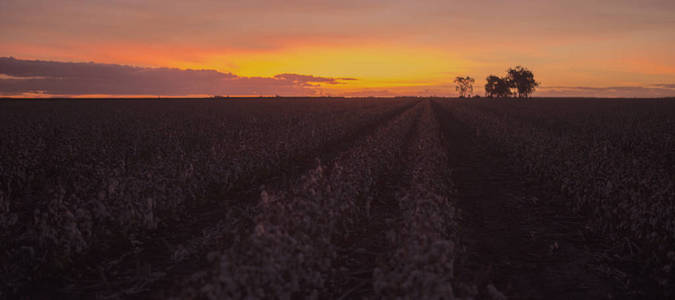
(422, 266)
(644, 127)
(620, 180)
(292, 249)
(74, 177)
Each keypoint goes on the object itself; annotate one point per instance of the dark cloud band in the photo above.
(66, 78)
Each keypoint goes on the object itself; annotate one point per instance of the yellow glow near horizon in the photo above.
(391, 47)
(372, 66)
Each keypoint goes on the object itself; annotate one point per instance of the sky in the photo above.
(608, 48)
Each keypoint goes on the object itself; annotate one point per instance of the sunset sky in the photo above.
(341, 48)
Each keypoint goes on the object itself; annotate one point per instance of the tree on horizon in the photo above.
(464, 86)
(497, 87)
(522, 81)
(519, 82)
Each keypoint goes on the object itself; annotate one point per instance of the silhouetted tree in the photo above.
(464, 86)
(491, 86)
(497, 87)
(522, 80)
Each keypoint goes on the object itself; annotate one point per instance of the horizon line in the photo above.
(222, 98)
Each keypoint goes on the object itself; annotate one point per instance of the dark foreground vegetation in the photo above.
(356, 198)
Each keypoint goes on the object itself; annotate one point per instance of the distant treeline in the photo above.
(518, 82)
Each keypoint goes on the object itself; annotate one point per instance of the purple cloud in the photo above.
(66, 78)
(653, 91)
(665, 85)
(308, 80)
